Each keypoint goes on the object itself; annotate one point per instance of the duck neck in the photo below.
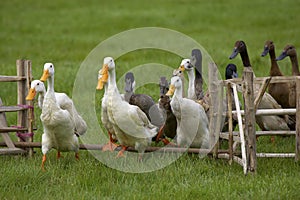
(191, 89)
(41, 98)
(245, 58)
(112, 82)
(127, 96)
(295, 65)
(178, 92)
(51, 84)
(274, 71)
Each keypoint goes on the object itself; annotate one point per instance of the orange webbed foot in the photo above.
(110, 146)
(121, 152)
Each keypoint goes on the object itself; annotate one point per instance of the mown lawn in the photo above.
(65, 32)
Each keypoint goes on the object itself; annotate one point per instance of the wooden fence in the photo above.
(246, 136)
(25, 114)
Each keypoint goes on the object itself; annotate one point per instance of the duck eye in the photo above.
(38, 84)
(50, 66)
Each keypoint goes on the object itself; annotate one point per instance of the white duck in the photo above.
(130, 123)
(64, 102)
(104, 115)
(58, 123)
(192, 123)
(186, 65)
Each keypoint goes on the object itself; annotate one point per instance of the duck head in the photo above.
(36, 86)
(186, 65)
(239, 47)
(175, 83)
(177, 72)
(231, 71)
(196, 58)
(163, 85)
(108, 64)
(129, 82)
(269, 46)
(48, 71)
(289, 50)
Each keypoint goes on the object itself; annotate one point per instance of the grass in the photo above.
(64, 32)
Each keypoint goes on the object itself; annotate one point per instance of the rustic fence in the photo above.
(25, 114)
(246, 136)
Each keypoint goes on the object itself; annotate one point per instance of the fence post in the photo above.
(30, 112)
(248, 95)
(21, 92)
(297, 152)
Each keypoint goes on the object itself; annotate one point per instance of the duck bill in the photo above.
(181, 68)
(104, 77)
(100, 85)
(45, 75)
(234, 75)
(265, 52)
(171, 90)
(282, 56)
(31, 94)
(234, 53)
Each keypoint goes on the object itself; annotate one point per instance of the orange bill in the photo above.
(103, 77)
(45, 75)
(181, 68)
(31, 94)
(171, 90)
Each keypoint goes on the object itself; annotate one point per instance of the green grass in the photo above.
(64, 32)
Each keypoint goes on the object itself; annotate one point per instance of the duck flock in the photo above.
(136, 120)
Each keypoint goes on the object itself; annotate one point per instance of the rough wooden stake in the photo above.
(261, 92)
(229, 113)
(30, 113)
(297, 156)
(248, 95)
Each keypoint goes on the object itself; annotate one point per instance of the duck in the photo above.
(178, 72)
(57, 123)
(187, 66)
(111, 145)
(230, 73)
(290, 50)
(168, 130)
(64, 102)
(196, 61)
(130, 123)
(266, 123)
(195, 83)
(143, 101)
(279, 91)
(192, 122)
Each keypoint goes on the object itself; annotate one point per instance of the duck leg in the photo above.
(159, 134)
(58, 155)
(110, 146)
(77, 155)
(43, 162)
(121, 152)
(164, 140)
